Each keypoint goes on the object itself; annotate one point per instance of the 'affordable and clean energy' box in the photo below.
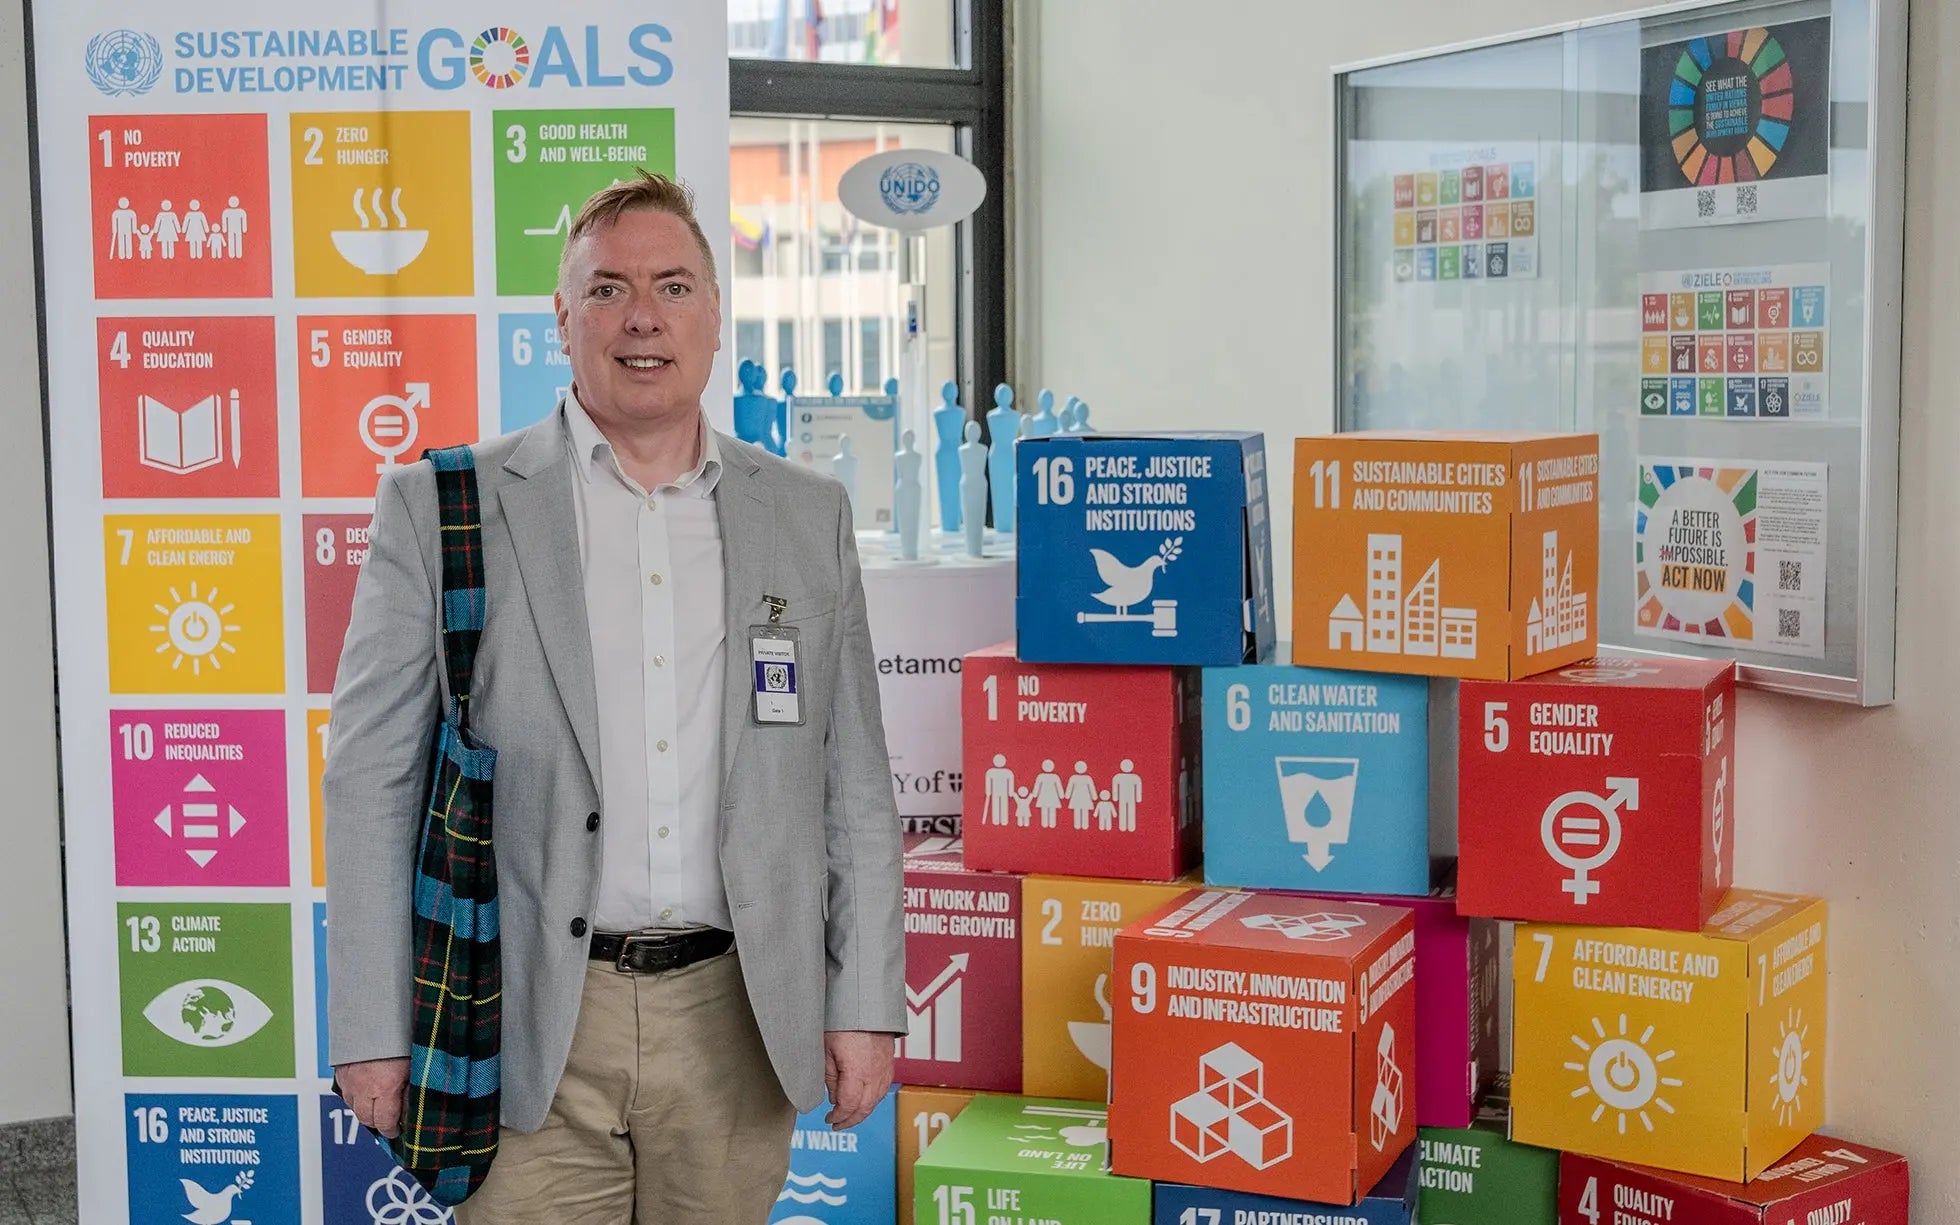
(923, 1113)
(1068, 931)
(1823, 1181)
(1087, 770)
(1144, 548)
(1315, 779)
(1445, 554)
(1392, 1202)
(1265, 1043)
(962, 971)
(1025, 1161)
(841, 1177)
(1477, 1175)
(1599, 793)
(1698, 1052)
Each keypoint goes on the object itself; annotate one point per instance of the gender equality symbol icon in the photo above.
(1595, 837)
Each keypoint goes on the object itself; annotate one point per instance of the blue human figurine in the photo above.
(973, 488)
(1082, 417)
(835, 383)
(844, 466)
(1046, 423)
(760, 418)
(1068, 415)
(908, 465)
(948, 424)
(1003, 430)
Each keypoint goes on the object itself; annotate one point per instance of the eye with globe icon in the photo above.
(209, 1014)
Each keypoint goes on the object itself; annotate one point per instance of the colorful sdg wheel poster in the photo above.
(1735, 127)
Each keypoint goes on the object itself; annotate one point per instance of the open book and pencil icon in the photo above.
(188, 439)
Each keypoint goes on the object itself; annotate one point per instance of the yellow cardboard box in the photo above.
(1068, 926)
(1698, 1052)
(922, 1114)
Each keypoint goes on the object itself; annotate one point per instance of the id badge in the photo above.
(774, 678)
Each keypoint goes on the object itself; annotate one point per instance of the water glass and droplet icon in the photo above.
(384, 245)
(1317, 795)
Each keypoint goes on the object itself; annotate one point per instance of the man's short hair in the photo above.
(644, 192)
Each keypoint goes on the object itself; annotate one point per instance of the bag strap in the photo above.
(463, 595)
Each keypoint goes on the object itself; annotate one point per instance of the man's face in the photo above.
(640, 318)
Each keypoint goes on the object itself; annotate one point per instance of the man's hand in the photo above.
(377, 1090)
(857, 1069)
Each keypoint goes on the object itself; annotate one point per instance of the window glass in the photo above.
(912, 33)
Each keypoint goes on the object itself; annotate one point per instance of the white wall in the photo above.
(1177, 265)
(33, 978)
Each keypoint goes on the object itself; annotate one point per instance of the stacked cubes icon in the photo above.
(1230, 1113)
(1385, 1113)
(1320, 927)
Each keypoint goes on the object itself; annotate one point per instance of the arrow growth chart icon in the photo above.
(932, 1014)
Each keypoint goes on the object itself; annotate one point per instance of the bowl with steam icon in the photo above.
(384, 245)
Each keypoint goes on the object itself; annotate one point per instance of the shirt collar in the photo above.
(590, 449)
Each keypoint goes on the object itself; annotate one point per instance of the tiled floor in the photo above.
(38, 1198)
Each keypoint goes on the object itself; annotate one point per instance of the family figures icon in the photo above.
(1111, 808)
(200, 235)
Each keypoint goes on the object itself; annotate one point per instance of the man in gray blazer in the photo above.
(701, 904)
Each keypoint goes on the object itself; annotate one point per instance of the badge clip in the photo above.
(776, 605)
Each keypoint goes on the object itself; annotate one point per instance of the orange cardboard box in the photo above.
(922, 1114)
(1445, 554)
(1265, 1043)
(1068, 927)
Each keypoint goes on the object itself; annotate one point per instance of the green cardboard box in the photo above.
(1026, 1161)
(1477, 1175)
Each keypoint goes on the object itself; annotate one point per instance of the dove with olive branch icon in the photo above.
(1126, 585)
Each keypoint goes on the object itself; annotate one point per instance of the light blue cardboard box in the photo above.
(1392, 1202)
(842, 1177)
(1315, 779)
(1143, 549)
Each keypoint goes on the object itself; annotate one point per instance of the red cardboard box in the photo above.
(962, 972)
(1079, 769)
(1598, 793)
(1264, 1042)
(1824, 1181)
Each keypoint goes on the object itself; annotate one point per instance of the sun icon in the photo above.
(195, 629)
(1789, 1080)
(1623, 1073)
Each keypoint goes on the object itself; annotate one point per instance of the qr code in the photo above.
(1789, 576)
(1705, 202)
(1789, 623)
(1745, 200)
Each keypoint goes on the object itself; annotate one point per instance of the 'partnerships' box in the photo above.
(1025, 1160)
(1089, 771)
(1823, 1181)
(1445, 554)
(841, 1177)
(922, 1114)
(962, 971)
(1598, 794)
(1316, 780)
(1699, 1052)
(1477, 1175)
(1264, 1043)
(1392, 1202)
(1069, 926)
(1143, 548)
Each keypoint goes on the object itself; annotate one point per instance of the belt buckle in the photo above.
(626, 944)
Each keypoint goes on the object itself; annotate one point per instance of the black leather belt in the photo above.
(658, 952)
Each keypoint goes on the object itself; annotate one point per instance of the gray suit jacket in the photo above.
(810, 841)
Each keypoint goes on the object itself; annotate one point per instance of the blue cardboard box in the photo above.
(1316, 779)
(1392, 1202)
(1144, 549)
(842, 1177)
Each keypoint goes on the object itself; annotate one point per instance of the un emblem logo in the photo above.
(909, 187)
(124, 62)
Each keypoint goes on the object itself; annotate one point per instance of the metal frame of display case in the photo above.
(1884, 250)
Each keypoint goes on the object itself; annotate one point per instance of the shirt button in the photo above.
(660, 661)
(663, 831)
(661, 745)
(654, 579)
(591, 821)
(578, 928)
(667, 913)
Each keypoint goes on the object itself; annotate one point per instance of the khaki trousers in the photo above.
(669, 1112)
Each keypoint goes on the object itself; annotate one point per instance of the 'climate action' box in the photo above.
(1598, 793)
(1699, 1052)
(1026, 1160)
(962, 971)
(1315, 779)
(1445, 554)
(1823, 1181)
(922, 1114)
(841, 1177)
(1083, 770)
(1477, 1175)
(1392, 1202)
(1264, 1043)
(1144, 549)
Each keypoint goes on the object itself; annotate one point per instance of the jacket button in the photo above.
(591, 821)
(578, 928)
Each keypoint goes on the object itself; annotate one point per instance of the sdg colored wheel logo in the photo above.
(1729, 107)
(499, 57)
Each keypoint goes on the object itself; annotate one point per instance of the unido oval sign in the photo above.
(912, 189)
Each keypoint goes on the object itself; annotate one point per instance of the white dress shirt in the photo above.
(654, 605)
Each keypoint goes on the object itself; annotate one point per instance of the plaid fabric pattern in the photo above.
(449, 1130)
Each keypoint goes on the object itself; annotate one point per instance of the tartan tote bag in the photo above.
(449, 1127)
